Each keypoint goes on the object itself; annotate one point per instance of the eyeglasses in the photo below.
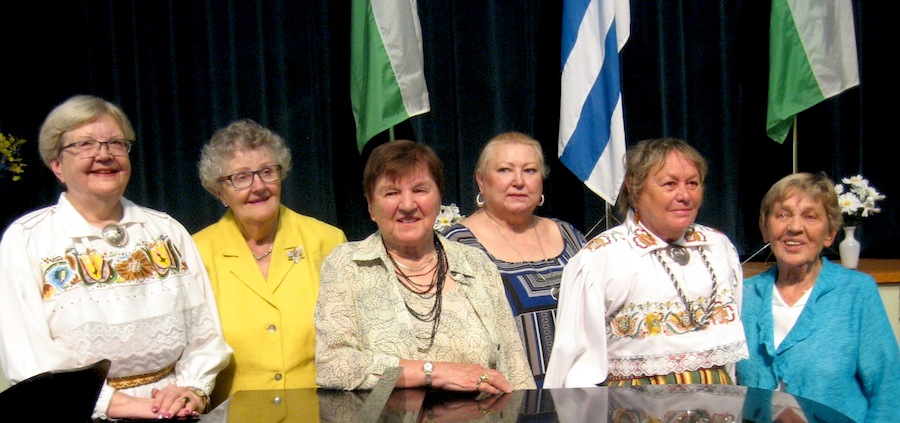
(243, 180)
(91, 148)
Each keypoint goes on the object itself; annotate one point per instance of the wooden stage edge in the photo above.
(885, 271)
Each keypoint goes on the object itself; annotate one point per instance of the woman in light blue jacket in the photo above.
(814, 328)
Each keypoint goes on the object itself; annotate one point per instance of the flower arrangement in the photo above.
(10, 159)
(857, 199)
(448, 216)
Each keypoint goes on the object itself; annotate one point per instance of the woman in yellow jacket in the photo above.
(263, 261)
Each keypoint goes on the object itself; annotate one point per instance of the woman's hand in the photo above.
(175, 401)
(469, 377)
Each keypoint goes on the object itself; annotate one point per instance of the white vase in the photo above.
(849, 248)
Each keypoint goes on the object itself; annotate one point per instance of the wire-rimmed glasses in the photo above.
(243, 180)
(91, 148)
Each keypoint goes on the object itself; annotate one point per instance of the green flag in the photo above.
(812, 56)
(387, 77)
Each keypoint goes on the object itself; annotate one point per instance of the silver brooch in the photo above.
(679, 254)
(114, 235)
(296, 255)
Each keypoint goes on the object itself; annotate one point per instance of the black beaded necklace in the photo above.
(424, 291)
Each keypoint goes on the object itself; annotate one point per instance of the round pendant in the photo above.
(679, 254)
(114, 235)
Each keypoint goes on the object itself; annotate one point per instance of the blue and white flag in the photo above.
(591, 127)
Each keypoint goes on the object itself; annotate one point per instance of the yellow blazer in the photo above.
(268, 323)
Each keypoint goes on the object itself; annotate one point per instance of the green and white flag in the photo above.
(387, 76)
(812, 56)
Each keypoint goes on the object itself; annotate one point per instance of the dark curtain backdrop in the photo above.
(182, 69)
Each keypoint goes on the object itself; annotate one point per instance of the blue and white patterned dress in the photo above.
(532, 288)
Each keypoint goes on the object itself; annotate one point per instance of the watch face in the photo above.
(428, 367)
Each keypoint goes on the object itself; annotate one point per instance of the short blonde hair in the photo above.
(487, 152)
(72, 113)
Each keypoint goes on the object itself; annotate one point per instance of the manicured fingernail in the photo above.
(155, 409)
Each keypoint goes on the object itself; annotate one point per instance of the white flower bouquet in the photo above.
(448, 216)
(857, 199)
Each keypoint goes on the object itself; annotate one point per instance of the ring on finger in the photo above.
(186, 399)
(478, 385)
(485, 378)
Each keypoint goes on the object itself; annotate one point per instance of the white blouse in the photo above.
(620, 313)
(68, 298)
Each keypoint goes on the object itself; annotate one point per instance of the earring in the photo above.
(479, 200)
(542, 201)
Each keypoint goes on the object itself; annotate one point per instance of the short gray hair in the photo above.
(241, 135)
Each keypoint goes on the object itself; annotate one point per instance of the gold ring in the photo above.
(484, 378)
(186, 399)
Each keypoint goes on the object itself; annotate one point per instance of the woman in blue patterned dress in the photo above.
(529, 250)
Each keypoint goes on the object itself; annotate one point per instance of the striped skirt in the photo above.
(712, 376)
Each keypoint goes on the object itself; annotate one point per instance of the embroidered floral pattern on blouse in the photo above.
(157, 259)
(638, 321)
(644, 239)
(693, 235)
(603, 240)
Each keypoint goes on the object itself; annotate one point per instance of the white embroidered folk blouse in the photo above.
(620, 313)
(68, 299)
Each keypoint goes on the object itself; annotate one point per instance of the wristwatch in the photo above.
(428, 367)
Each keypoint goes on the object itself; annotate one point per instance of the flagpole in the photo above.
(607, 217)
(795, 143)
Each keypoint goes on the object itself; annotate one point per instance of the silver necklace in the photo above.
(513, 247)
(115, 235)
(259, 258)
(695, 313)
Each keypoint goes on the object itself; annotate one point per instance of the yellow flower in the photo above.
(161, 255)
(10, 159)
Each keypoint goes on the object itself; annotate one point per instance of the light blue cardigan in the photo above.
(841, 352)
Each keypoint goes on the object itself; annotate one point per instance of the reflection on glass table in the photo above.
(661, 403)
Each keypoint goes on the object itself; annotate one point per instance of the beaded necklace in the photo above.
(433, 314)
(695, 312)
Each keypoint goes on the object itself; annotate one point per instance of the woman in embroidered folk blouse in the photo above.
(656, 299)
(408, 297)
(815, 329)
(530, 251)
(263, 261)
(96, 276)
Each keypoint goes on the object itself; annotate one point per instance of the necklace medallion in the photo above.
(115, 235)
(679, 254)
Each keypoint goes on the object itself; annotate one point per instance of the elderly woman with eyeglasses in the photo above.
(97, 277)
(263, 260)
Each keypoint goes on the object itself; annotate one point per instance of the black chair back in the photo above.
(59, 395)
